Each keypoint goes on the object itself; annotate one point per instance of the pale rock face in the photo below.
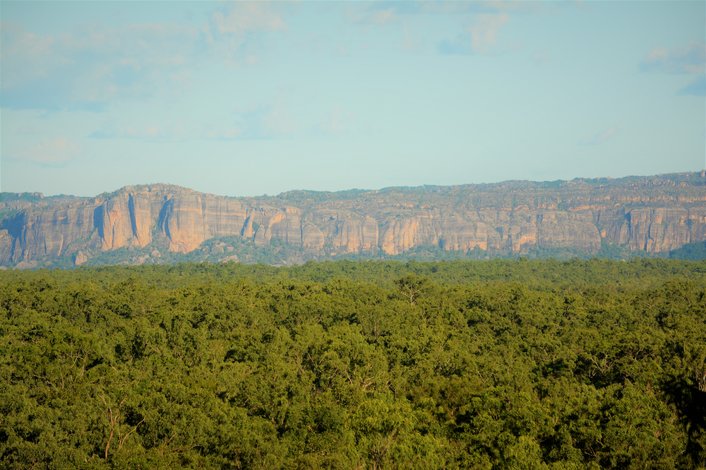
(188, 218)
(286, 226)
(183, 222)
(50, 232)
(463, 232)
(346, 237)
(368, 234)
(312, 237)
(6, 243)
(115, 223)
(80, 258)
(654, 214)
(354, 234)
(696, 224)
(402, 234)
(140, 209)
(661, 229)
(223, 216)
(562, 229)
(274, 223)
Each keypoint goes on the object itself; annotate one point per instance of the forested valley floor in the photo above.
(486, 364)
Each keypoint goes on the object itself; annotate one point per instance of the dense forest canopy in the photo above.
(457, 364)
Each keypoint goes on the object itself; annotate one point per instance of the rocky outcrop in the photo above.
(648, 214)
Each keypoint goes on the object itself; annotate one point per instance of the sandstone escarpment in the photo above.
(649, 214)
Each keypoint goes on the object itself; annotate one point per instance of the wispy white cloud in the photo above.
(688, 60)
(247, 17)
(25, 54)
(383, 12)
(375, 16)
(259, 123)
(383, 16)
(166, 132)
(484, 31)
(51, 152)
(232, 32)
(378, 13)
(484, 20)
(695, 88)
(138, 132)
(480, 37)
(88, 68)
(684, 60)
(92, 66)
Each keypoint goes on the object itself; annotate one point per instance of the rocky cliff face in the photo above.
(648, 214)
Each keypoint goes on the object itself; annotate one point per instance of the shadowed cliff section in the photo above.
(647, 215)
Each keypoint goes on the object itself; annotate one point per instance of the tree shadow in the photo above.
(691, 405)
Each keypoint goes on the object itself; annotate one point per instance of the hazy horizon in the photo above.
(249, 99)
(158, 183)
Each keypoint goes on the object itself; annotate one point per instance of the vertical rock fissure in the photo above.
(301, 232)
(203, 228)
(98, 221)
(163, 220)
(628, 220)
(246, 230)
(690, 227)
(131, 212)
(15, 226)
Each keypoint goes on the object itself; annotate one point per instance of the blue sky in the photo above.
(260, 98)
